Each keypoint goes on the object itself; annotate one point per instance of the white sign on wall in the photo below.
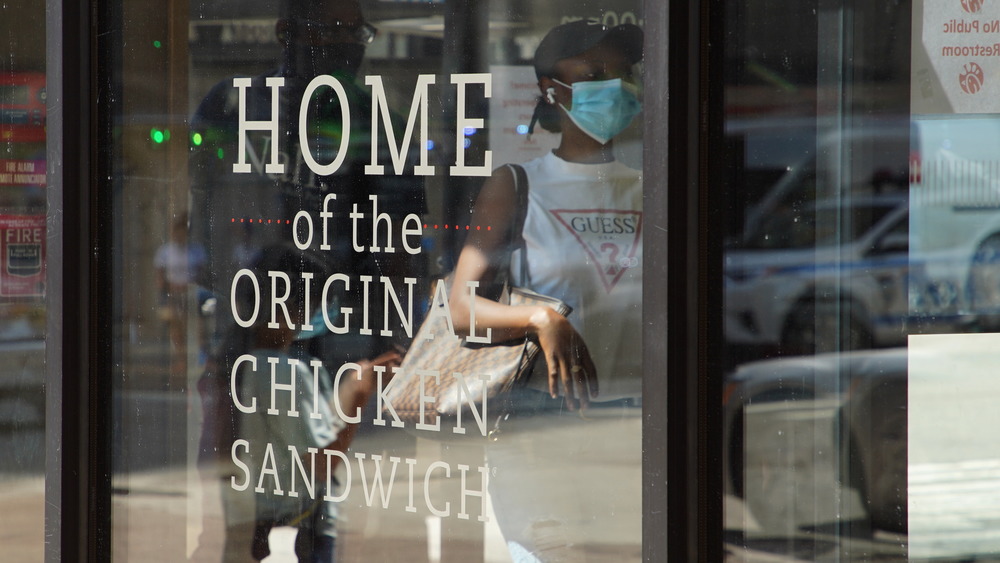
(956, 56)
(515, 93)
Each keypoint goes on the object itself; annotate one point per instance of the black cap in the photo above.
(571, 39)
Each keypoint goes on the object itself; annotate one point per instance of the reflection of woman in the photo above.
(581, 233)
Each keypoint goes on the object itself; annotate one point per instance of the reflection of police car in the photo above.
(821, 276)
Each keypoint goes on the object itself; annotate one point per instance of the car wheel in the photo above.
(816, 327)
(877, 468)
(984, 282)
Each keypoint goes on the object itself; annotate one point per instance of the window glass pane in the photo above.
(820, 273)
(22, 279)
(860, 317)
(954, 228)
(303, 190)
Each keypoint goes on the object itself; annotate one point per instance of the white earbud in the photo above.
(550, 95)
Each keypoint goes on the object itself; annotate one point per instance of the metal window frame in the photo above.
(77, 467)
(682, 287)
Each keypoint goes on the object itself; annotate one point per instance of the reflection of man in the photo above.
(318, 37)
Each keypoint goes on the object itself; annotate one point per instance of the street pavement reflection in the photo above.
(954, 457)
(793, 506)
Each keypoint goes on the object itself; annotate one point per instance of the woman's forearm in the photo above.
(504, 322)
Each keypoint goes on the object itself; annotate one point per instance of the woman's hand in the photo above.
(482, 260)
(369, 381)
(567, 358)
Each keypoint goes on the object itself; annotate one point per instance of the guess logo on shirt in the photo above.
(610, 238)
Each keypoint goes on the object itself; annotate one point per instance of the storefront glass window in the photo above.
(22, 279)
(860, 280)
(313, 198)
(821, 280)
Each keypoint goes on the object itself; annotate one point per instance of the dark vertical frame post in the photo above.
(714, 216)
(686, 511)
(77, 524)
(66, 469)
(682, 286)
(656, 518)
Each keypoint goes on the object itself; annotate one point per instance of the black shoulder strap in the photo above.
(517, 221)
(521, 192)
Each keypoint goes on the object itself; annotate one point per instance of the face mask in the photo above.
(310, 61)
(602, 108)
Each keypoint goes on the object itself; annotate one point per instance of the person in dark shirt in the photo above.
(318, 37)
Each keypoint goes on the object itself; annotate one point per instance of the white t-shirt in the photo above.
(583, 237)
(180, 264)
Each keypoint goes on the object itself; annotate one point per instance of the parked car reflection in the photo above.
(821, 276)
(813, 441)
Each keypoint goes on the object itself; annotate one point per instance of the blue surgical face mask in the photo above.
(602, 108)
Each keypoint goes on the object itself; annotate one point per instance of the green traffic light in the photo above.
(159, 136)
(157, 44)
(196, 139)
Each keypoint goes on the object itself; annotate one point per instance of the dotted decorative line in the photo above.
(457, 227)
(261, 221)
(426, 225)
